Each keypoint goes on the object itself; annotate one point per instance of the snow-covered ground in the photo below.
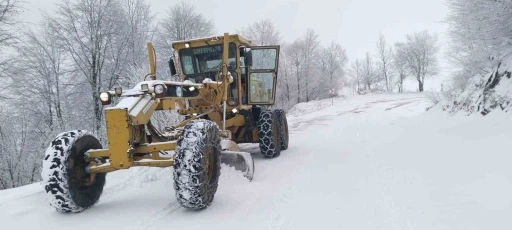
(366, 162)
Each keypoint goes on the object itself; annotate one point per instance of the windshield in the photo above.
(205, 59)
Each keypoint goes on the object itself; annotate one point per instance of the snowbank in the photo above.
(312, 106)
(494, 93)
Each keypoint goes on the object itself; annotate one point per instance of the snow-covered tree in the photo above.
(480, 49)
(420, 50)
(183, 22)
(480, 35)
(94, 35)
(385, 54)
(333, 60)
(9, 35)
(262, 33)
(310, 48)
(399, 65)
(370, 75)
(294, 53)
(355, 73)
(9, 11)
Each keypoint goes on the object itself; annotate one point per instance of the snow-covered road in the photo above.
(368, 162)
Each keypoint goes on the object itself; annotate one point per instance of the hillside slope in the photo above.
(367, 162)
(483, 95)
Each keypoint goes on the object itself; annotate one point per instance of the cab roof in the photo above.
(212, 40)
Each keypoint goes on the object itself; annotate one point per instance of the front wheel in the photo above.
(283, 128)
(268, 134)
(66, 182)
(197, 164)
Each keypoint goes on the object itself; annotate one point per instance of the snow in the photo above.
(484, 94)
(126, 103)
(366, 162)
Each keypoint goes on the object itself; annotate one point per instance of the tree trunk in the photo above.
(298, 82)
(307, 90)
(58, 108)
(401, 88)
(387, 83)
(420, 85)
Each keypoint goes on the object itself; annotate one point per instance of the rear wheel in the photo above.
(268, 134)
(197, 164)
(283, 128)
(66, 182)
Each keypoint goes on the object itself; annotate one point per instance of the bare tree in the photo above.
(94, 35)
(479, 33)
(19, 164)
(334, 59)
(369, 73)
(262, 33)
(182, 22)
(421, 50)
(42, 64)
(385, 56)
(310, 46)
(285, 79)
(294, 52)
(399, 64)
(9, 11)
(356, 73)
(480, 37)
(140, 30)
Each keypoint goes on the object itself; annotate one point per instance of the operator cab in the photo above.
(256, 66)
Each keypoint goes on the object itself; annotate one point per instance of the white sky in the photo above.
(355, 24)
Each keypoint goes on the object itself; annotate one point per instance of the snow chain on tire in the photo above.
(268, 134)
(197, 164)
(283, 126)
(63, 162)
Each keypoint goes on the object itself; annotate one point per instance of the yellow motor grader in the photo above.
(225, 90)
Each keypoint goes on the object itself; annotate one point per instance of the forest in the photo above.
(52, 75)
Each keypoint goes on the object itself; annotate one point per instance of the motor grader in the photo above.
(224, 86)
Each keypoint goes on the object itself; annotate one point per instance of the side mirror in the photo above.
(248, 59)
(172, 67)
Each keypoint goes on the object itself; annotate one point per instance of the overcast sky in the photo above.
(355, 24)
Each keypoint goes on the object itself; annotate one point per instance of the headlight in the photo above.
(159, 89)
(104, 97)
(192, 88)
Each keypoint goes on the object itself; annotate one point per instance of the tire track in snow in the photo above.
(298, 125)
(158, 215)
(401, 104)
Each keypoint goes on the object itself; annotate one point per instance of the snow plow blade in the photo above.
(233, 156)
(241, 161)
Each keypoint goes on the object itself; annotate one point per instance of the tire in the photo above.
(268, 134)
(64, 166)
(283, 128)
(197, 164)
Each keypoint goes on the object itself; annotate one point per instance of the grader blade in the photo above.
(241, 161)
(233, 156)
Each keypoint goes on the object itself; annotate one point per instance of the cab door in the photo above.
(263, 63)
